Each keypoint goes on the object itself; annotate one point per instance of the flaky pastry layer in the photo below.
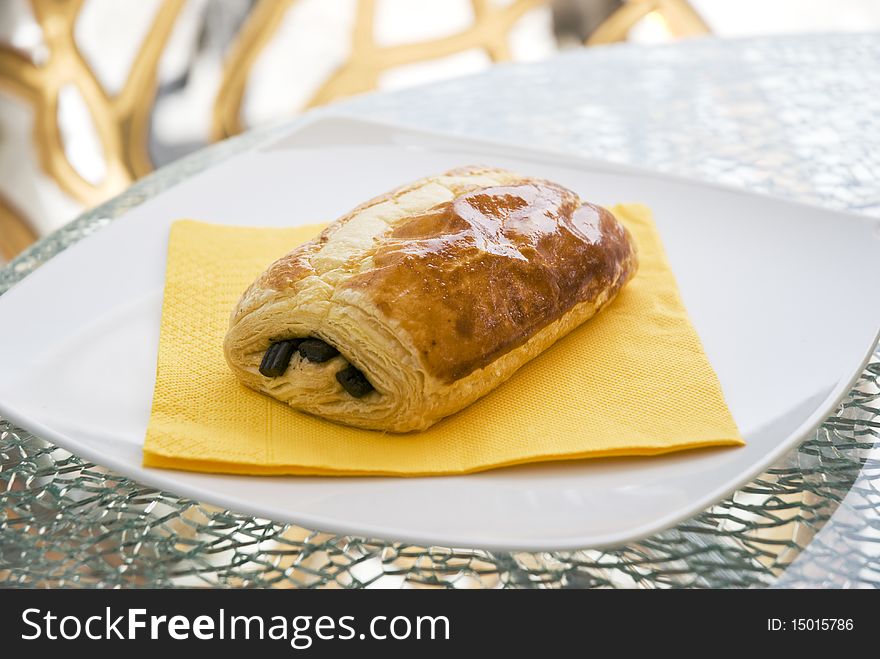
(436, 292)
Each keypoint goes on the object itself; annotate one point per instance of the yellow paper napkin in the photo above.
(634, 380)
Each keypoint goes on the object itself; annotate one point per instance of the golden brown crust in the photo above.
(437, 292)
(296, 265)
(477, 276)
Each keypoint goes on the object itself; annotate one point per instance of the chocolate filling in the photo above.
(277, 357)
(354, 382)
(316, 350)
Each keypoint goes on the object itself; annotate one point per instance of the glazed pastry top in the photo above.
(487, 261)
(477, 276)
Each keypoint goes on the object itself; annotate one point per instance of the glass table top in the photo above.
(794, 117)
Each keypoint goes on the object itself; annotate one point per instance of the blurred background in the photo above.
(97, 93)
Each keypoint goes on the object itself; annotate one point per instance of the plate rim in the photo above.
(166, 481)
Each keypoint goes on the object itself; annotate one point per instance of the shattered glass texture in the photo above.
(796, 117)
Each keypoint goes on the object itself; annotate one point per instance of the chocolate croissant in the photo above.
(417, 303)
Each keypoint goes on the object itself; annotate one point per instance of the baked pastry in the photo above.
(417, 303)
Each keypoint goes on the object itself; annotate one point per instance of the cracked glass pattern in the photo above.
(794, 117)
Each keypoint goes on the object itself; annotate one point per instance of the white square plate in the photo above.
(762, 280)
